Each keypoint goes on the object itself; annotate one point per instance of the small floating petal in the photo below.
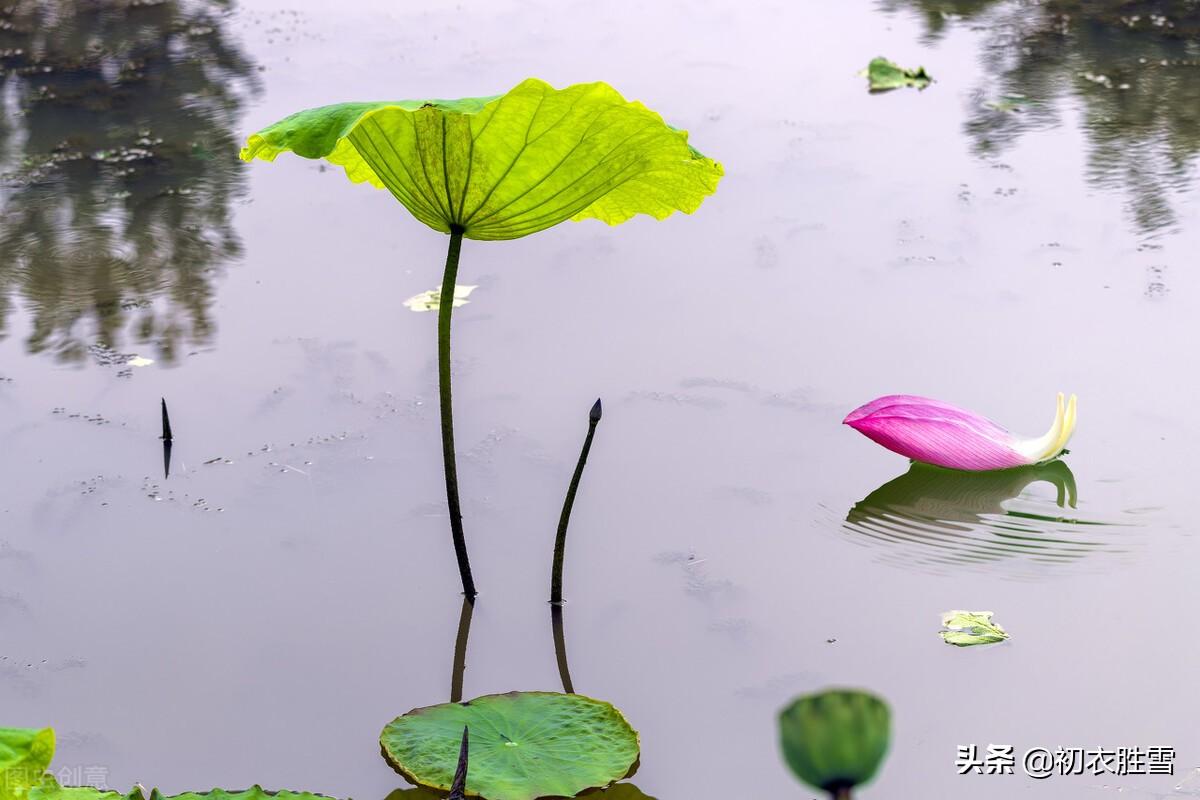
(431, 300)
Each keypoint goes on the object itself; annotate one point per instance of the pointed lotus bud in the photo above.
(938, 433)
(835, 740)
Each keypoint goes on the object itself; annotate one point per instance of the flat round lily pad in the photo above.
(523, 745)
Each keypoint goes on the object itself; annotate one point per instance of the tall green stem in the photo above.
(560, 542)
(560, 647)
(445, 308)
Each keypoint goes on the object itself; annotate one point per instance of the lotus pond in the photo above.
(1024, 225)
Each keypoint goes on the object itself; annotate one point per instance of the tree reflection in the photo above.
(1133, 66)
(119, 169)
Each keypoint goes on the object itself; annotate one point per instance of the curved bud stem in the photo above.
(445, 308)
(560, 542)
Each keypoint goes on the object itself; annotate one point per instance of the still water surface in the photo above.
(1025, 226)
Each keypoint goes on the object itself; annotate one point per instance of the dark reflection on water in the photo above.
(1133, 68)
(940, 517)
(119, 168)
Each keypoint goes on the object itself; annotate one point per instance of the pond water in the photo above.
(1026, 225)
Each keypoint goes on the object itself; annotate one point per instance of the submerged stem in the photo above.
(445, 308)
(560, 542)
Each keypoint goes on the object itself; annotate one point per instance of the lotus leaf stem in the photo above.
(445, 308)
(560, 647)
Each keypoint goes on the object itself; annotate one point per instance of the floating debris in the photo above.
(431, 300)
(967, 628)
(883, 76)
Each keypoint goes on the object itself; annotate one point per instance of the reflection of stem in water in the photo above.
(560, 647)
(166, 459)
(560, 542)
(445, 308)
(460, 650)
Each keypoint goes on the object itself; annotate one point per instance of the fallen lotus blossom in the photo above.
(938, 433)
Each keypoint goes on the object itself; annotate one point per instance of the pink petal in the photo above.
(936, 433)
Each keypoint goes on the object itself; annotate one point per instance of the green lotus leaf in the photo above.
(883, 75)
(49, 789)
(253, 793)
(506, 166)
(618, 791)
(967, 628)
(835, 740)
(523, 745)
(25, 754)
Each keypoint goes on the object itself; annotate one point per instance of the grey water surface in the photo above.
(1026, 225)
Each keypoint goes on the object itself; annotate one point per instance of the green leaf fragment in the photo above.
(523, 745)
(507, 166)
(966, 628)
(432, 300)
(25, 754)
(883, 75)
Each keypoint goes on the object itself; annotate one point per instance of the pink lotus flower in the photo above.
(939, 433)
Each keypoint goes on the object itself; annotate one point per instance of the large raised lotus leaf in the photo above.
(25, 753)
(506, 166)
(523, 745)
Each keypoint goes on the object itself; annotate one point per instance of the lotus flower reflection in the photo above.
(938, 433)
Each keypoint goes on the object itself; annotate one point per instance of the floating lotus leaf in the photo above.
(835, 740)
(50, 790)
(25, 753)
(506, 166)
(523, 745)
(253, 793)
(618, 791)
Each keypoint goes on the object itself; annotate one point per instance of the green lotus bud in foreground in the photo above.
(835, 740)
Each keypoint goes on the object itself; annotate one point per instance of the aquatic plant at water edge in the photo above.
(501, 168)
(938, 433)
(26, 754)
(835, 740)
